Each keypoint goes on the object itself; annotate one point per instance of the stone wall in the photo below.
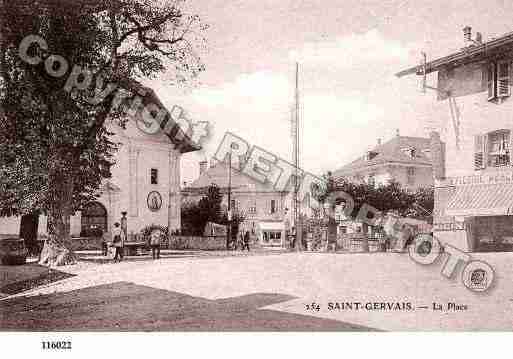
(197, 242)
(175, 242)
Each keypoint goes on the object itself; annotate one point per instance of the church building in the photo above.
(144, 187)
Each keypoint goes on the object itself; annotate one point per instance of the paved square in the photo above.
(283, 284)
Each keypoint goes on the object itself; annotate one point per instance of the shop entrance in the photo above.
(492, 234)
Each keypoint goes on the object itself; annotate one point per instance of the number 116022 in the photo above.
(56, 345)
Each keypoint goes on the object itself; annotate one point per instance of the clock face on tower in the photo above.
(154, 201)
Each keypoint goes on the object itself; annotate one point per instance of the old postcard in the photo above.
(255, 166)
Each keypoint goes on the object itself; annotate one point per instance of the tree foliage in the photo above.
(55, 142)
(195, 215)
(389, 197)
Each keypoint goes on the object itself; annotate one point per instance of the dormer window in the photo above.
(371, 180)
(370, 155)
(410, 152)
(498, 80)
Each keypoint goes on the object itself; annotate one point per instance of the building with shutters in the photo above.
(266, 210)
(403, 159)
(473, 171)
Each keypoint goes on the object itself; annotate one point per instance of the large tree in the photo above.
(55, 147)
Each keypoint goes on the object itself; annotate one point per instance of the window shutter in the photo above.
(491, 81)
(510, 134)
(479, 152)
(503, 79)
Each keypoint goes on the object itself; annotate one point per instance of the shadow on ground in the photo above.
(17, 279)
(142, 258)
(124, 306)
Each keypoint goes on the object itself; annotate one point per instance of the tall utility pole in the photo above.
(295, 134)
(229, 230)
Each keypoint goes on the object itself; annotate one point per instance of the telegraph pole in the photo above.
(229, 231)
(295, 127)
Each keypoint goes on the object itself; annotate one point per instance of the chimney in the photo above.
(437, 155)
(203, 167)
(467, 35)
(379, 141)
(397, 133)
(479, 38)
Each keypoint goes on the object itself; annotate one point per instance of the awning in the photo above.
(482, 200)
(271, 226)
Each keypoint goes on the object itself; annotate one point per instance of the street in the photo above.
(260, 292)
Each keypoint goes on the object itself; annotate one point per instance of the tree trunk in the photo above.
(28, 231)
(57, 250)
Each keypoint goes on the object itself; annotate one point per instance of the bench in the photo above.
(135, 248)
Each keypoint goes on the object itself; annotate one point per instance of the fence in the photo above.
(360, 242)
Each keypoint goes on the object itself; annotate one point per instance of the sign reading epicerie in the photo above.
(484, 178)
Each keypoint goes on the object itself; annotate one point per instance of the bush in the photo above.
(146, 233)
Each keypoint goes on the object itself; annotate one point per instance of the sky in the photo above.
(348, 52)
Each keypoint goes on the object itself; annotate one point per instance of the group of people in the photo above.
(119, 237)
(118, 243)
(242, 240)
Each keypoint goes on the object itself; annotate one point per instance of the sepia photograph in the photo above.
(244, 166)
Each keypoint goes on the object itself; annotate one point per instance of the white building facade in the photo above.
(145, 186)
(474, 170)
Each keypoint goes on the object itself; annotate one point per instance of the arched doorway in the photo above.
(94, 220)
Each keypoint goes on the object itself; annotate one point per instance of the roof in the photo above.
(177, 136)
(218, 174)
(466, 55)
(391, 151)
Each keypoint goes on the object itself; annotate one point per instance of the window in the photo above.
(371, 180)
(410, 152)
(492, 149)
(154, 176)
(410, 175)
(273, 206)
(498, 82)
(233, 204)
(252, 210)
(498, 154)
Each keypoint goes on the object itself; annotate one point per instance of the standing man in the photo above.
(155, 244)
(124, 225)
(118, 240)
(246, 241)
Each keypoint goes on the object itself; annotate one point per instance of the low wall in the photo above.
(197, 242)
(86, 244)
(175, 242)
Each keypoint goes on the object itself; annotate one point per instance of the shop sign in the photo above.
(484, 178)
(449, 226)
